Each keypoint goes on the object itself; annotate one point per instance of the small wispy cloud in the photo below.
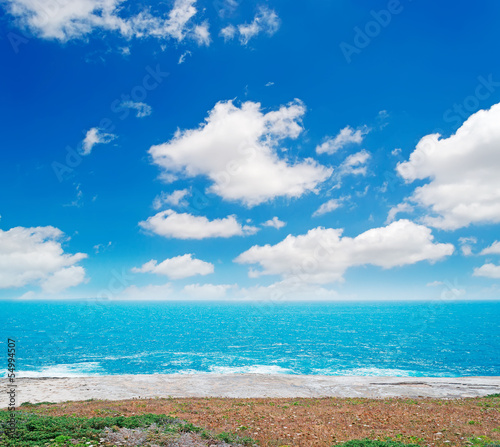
(142, 109)
(345, 137)
(176, 198)
(77, 202)
(182, 59)
(329, 206)
(265, 21)
(466, 244)
(95, 136)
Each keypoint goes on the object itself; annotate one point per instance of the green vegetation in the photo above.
(29, 404)
(62, 431)
(483, 441)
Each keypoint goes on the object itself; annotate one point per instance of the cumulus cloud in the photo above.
(186, 226)
(328, 207)
(142, 109)
(177, 268)
(274, 223)
(35, 256)
(493, 249)
(464, 186)
(77, 19)
(322, 255)
(345, 137)
(175, 198)
(488, 271)
(237, 149)
(95, 136)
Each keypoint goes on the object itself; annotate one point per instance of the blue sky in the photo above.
(267, 150)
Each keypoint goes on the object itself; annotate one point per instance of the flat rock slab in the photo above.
(120, 387)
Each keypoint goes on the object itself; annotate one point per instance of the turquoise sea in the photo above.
(358, 338)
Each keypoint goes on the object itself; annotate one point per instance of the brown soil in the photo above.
(316, 422)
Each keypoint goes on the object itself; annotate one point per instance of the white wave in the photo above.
(250, 369)
(64, 370)
(373, 372)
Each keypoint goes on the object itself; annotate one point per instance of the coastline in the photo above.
(120, 387)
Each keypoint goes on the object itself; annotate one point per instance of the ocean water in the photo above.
(440, 339)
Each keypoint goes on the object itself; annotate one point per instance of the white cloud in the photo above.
(288, 290)
(166, 292)
(493, 249)
(329, 206)
(78, 201)
(322, 255)
(176, 198)
(228, 32)
(95, 136)
(186, 226)
(237, 150)
(265, 21)
(345, 137)
(182, 59)
(382, 119)
(63, 279)
(226, 8)
(177, 268)
(488, 271)
(142, 109)
(76, 19)
(206, 291)
(395, 210)
(435, 284)
(463, 169)
(147, 293)
(102, 247)
(355, 164)
(35, 256)
(202, 34)
(275, 223)
(466, 245)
